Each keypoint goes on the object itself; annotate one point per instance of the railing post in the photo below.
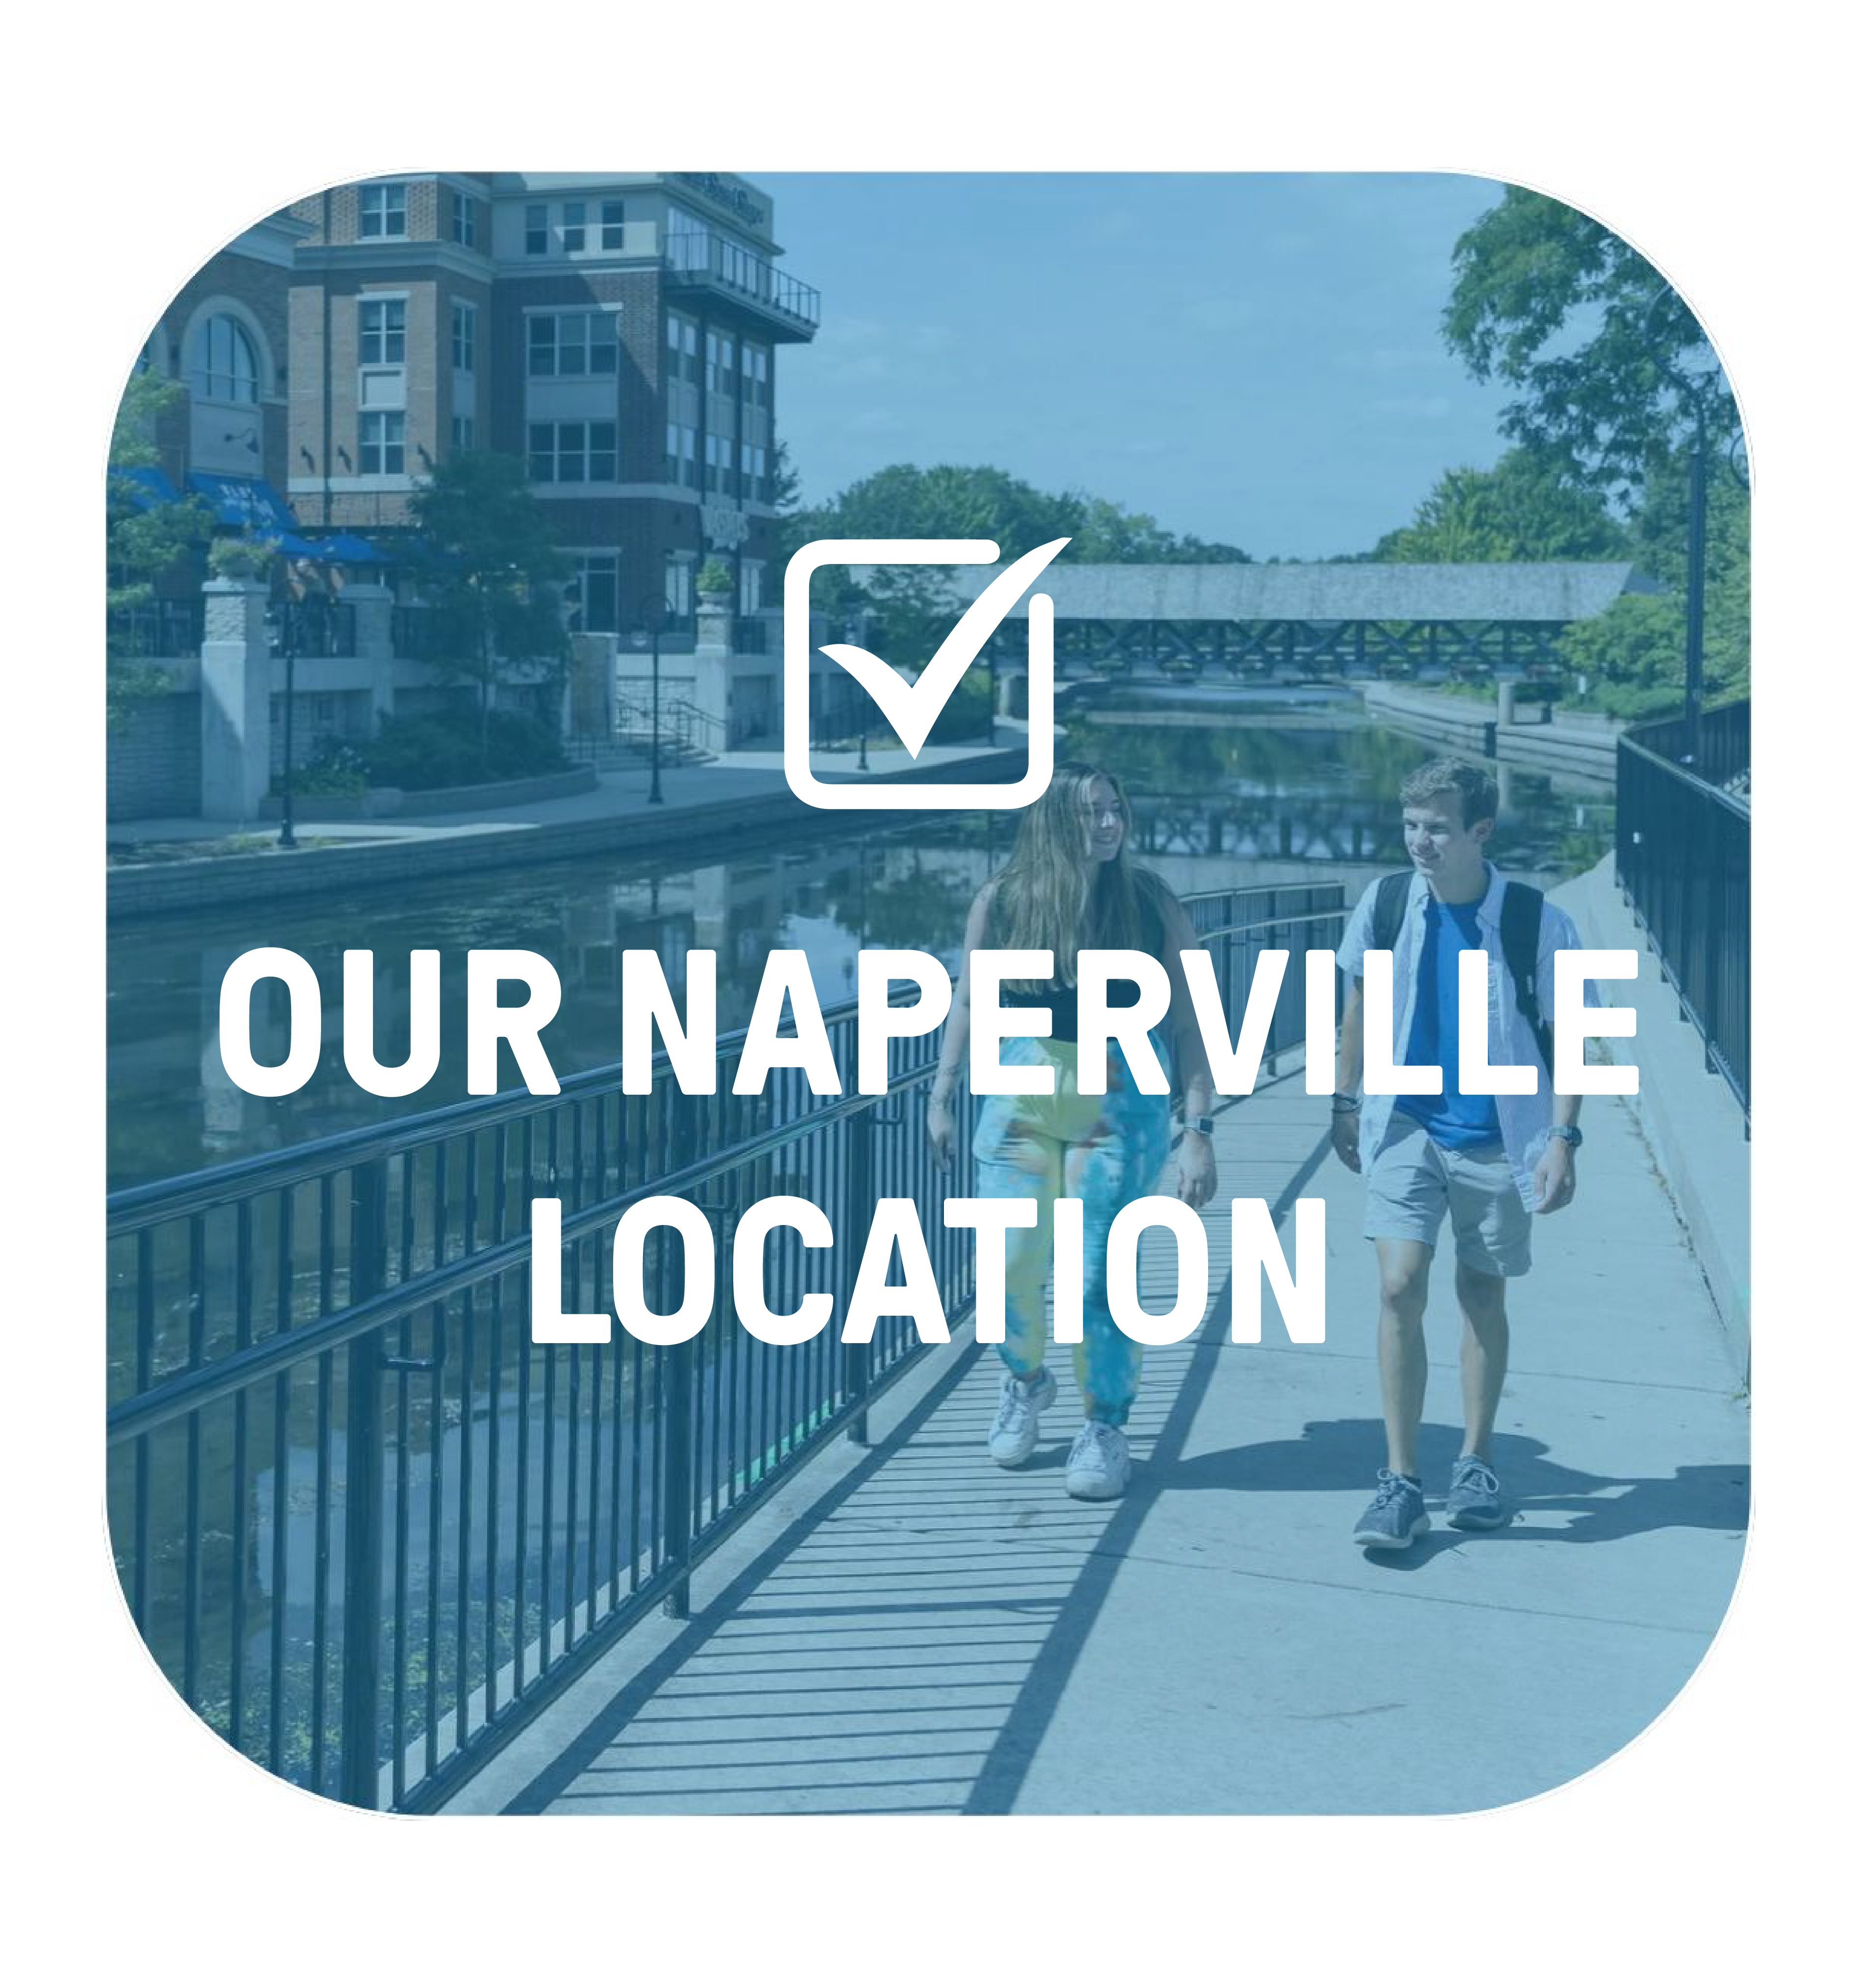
(362, 1514)
(861, 1204)
(679, 1458)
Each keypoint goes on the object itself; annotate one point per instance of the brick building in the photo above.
(225, 339)
(619, 332)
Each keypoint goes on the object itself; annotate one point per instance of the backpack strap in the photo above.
(1391, 897)
(1521, 937)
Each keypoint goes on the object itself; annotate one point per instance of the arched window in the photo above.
(222, 364)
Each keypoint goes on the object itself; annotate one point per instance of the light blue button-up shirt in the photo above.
(1524, 1121)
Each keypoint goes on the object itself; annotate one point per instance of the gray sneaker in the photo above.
(1014, 1434)
(1396, 1517)
(1099, 1464)
(1475, 1501)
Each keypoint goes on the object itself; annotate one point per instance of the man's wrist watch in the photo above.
(1203, 1125)
(1571, 1133)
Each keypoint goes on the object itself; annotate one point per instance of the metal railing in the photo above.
(1683, 865)
(365, 1525)
(697, 255)
(320, 628)
(159, 628)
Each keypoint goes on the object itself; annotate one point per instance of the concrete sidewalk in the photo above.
(737, 796)
(913, 1629)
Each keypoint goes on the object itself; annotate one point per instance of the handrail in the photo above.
(1684, 844)
(366, 1572)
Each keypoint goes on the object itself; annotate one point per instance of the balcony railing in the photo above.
(1683, 856)
(319, 628)
(366, 1527)
(167, 629)
(696, 256)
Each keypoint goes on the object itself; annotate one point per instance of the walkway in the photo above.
(913, 1629)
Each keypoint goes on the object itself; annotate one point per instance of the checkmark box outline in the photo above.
(1040, 688)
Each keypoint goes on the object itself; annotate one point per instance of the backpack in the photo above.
(1521, 942)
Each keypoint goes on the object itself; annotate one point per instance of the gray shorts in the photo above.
(1415, 1182)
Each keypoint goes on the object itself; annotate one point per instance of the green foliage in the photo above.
(952, 502)
(491, 567)
(1528, 507)
(142, 545)
(714, 577)
(454, 748)
(1607, 358)
(241, 558)
(335, 767)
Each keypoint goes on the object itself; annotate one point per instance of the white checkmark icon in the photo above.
(910, 709)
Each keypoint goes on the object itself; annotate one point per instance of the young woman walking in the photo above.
(1068, 887)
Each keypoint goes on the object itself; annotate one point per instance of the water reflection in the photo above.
(1217, 803)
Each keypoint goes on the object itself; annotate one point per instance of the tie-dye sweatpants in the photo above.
(1103, 1151)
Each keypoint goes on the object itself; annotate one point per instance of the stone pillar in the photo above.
(1011, 693)
(374, 641)
(1505, 703)
(712, 674)
(234, 701)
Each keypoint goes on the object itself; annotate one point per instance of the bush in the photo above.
(335, 767)
(449, 748)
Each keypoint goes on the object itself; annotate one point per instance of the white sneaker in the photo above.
(1099, 1465)
(1014, 1434)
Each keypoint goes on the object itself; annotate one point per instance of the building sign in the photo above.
(724, 526)
(725, 194)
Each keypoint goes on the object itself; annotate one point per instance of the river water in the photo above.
(1292, 793)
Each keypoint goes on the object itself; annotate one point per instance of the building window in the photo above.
(752, 571)
(719, 363)
(535, 231)
(464, 337)
(464, 220)
(222, 362)
(571, 344)
(464, 431)
(383, 209)
(719, 464)
(612, 224)
(383, 445)
(679, 575)
(573, 452)
(595, 609)
(573, 227)
(681, 395)
(383, 331)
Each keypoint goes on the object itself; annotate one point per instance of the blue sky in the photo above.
(1253, 357)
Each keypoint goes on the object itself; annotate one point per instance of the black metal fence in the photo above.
(365, 1525)
(158, 628)
(1684, 857)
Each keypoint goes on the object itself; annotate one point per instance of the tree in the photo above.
(1526, 508)
(1618, 381)
(489, 566)
(144, 541)
(1609, 360)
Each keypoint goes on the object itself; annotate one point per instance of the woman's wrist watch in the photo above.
(1203, 1124)
(1571, 1133)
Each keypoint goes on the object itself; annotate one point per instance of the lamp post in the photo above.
(1690, 387)
(654, 610)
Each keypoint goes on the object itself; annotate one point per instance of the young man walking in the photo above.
(1488, 1164)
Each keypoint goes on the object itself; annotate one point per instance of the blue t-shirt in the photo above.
(1451, 1118)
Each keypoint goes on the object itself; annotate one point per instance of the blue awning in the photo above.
(248, 502)
(348, 548)
(145, 486)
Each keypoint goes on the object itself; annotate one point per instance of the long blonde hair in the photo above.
(1043, 896)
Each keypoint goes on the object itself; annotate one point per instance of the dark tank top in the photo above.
(1060, 997)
